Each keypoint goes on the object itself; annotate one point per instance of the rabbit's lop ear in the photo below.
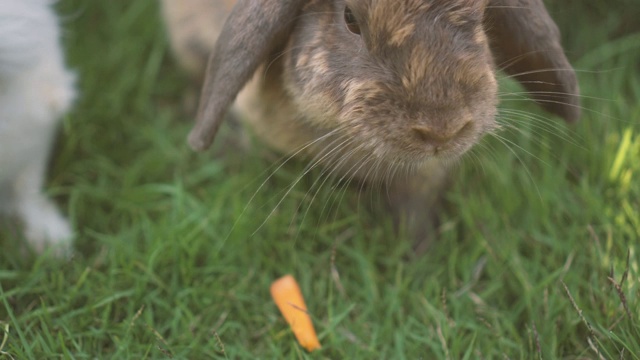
(526, 44)
(250, 33)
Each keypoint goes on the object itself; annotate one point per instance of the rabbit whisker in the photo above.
(559, 94)
(277, 166)
(324, 176)
(341, 183)
(538, 123)
(506, 143)
(297, 180)
(609, 117)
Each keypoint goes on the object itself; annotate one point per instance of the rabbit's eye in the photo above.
(350, 20)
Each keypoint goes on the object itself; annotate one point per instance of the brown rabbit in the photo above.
(370, 88)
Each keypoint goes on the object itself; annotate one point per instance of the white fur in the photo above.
(35, 91)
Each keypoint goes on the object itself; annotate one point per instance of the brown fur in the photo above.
(414, 90)
(194, 26)
(514, 26)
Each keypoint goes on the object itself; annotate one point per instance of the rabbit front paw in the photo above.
(45, 228)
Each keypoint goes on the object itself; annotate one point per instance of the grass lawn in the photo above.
(539, 253)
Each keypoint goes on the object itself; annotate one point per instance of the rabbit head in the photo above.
(407, 80)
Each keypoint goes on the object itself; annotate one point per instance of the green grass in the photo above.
(174, 260)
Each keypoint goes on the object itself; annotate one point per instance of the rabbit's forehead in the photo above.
(401, 17)
(442, 61)
(394, 17)
(392, 25)
(427, 66)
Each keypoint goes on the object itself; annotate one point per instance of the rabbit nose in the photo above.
(439, 137)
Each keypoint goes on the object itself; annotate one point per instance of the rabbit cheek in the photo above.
(308, 79)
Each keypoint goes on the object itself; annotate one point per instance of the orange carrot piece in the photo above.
(288, 297)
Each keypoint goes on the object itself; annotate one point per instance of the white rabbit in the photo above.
(35, 91)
